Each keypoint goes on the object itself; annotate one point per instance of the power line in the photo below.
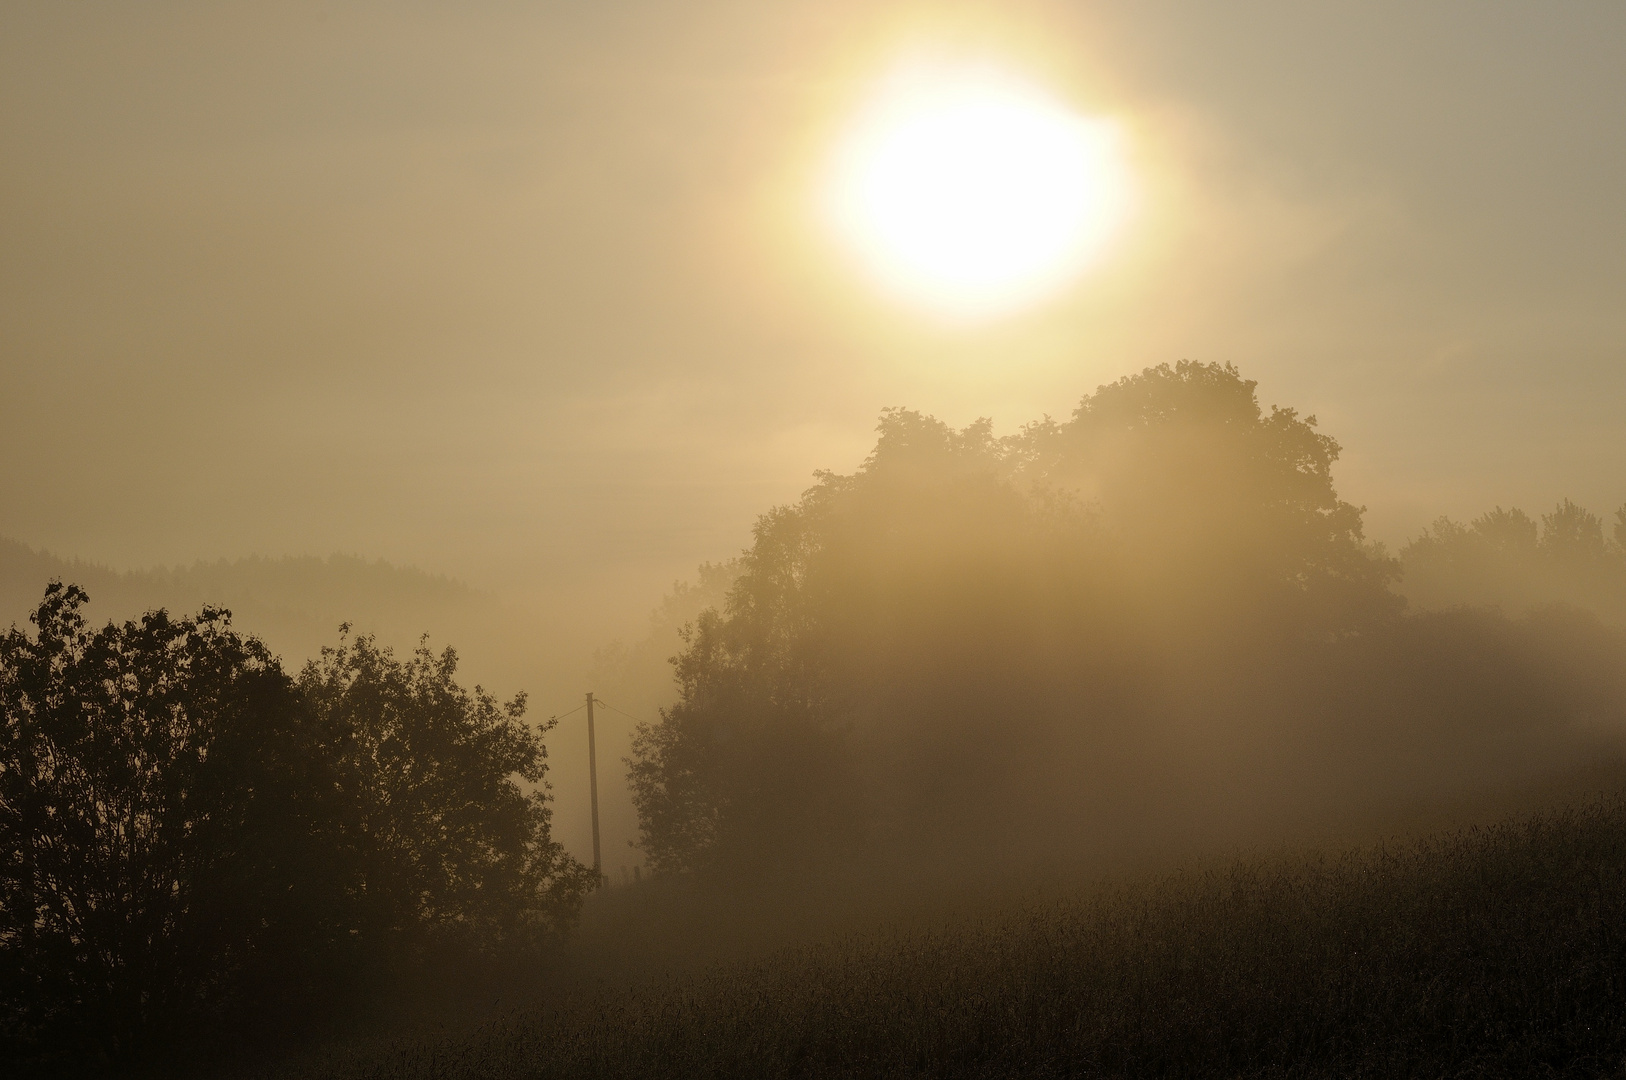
(623, 712)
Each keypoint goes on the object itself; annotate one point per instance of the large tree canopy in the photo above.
(1186, 467)
(1151, 616)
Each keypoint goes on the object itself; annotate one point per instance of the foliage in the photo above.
(1490, 952)
(168, 825)
(1189, 468)
(192, 841)
(446, 838)
(1167, 540)
(1504, 559)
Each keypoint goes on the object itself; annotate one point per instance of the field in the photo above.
(1484, 952)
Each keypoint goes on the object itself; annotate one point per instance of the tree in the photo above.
(446, 840)
(193, 841)
(1505, 559)
(967, 613)
(1197, 478)
(166, 818)
(1573, 535)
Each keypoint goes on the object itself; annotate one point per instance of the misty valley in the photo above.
(1109, 747)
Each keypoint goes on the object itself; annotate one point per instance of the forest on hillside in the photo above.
(1148, 633)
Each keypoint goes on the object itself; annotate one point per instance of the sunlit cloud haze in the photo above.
(540, 297)
(971, 192)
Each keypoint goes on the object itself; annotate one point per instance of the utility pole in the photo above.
(592, 786)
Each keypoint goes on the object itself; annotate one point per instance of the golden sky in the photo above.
(538, 295)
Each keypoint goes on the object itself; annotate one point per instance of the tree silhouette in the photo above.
(1064, 580)
(167, 825)
(1190, 469)
(445, 838)
(1506, 559)
(193, 842)
(1573, 534)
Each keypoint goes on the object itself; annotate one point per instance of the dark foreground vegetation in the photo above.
(205, 855)
(1495, 952)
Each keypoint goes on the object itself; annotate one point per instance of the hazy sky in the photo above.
(536, 295)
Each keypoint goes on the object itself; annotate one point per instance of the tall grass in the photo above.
(1487, 952)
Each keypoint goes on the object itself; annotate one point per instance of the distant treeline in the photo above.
(196, 844)
(1152, 627)
(1505, 559)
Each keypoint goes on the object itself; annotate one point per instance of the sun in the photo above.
(971, 191)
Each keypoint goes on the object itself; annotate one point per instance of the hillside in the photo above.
(295, 604)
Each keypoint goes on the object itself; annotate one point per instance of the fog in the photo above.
(533, 297)
(531, 301)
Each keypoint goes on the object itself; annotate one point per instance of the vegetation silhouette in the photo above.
(1505, 559)
(1147, 635)
(454, 843)
(196, 844)
(1152, 627)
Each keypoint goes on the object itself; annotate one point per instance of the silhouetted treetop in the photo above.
(1090, 566)
(1573, 534)
(445, 836)
(1184, 464)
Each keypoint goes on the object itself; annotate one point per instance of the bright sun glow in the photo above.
(974, 192)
